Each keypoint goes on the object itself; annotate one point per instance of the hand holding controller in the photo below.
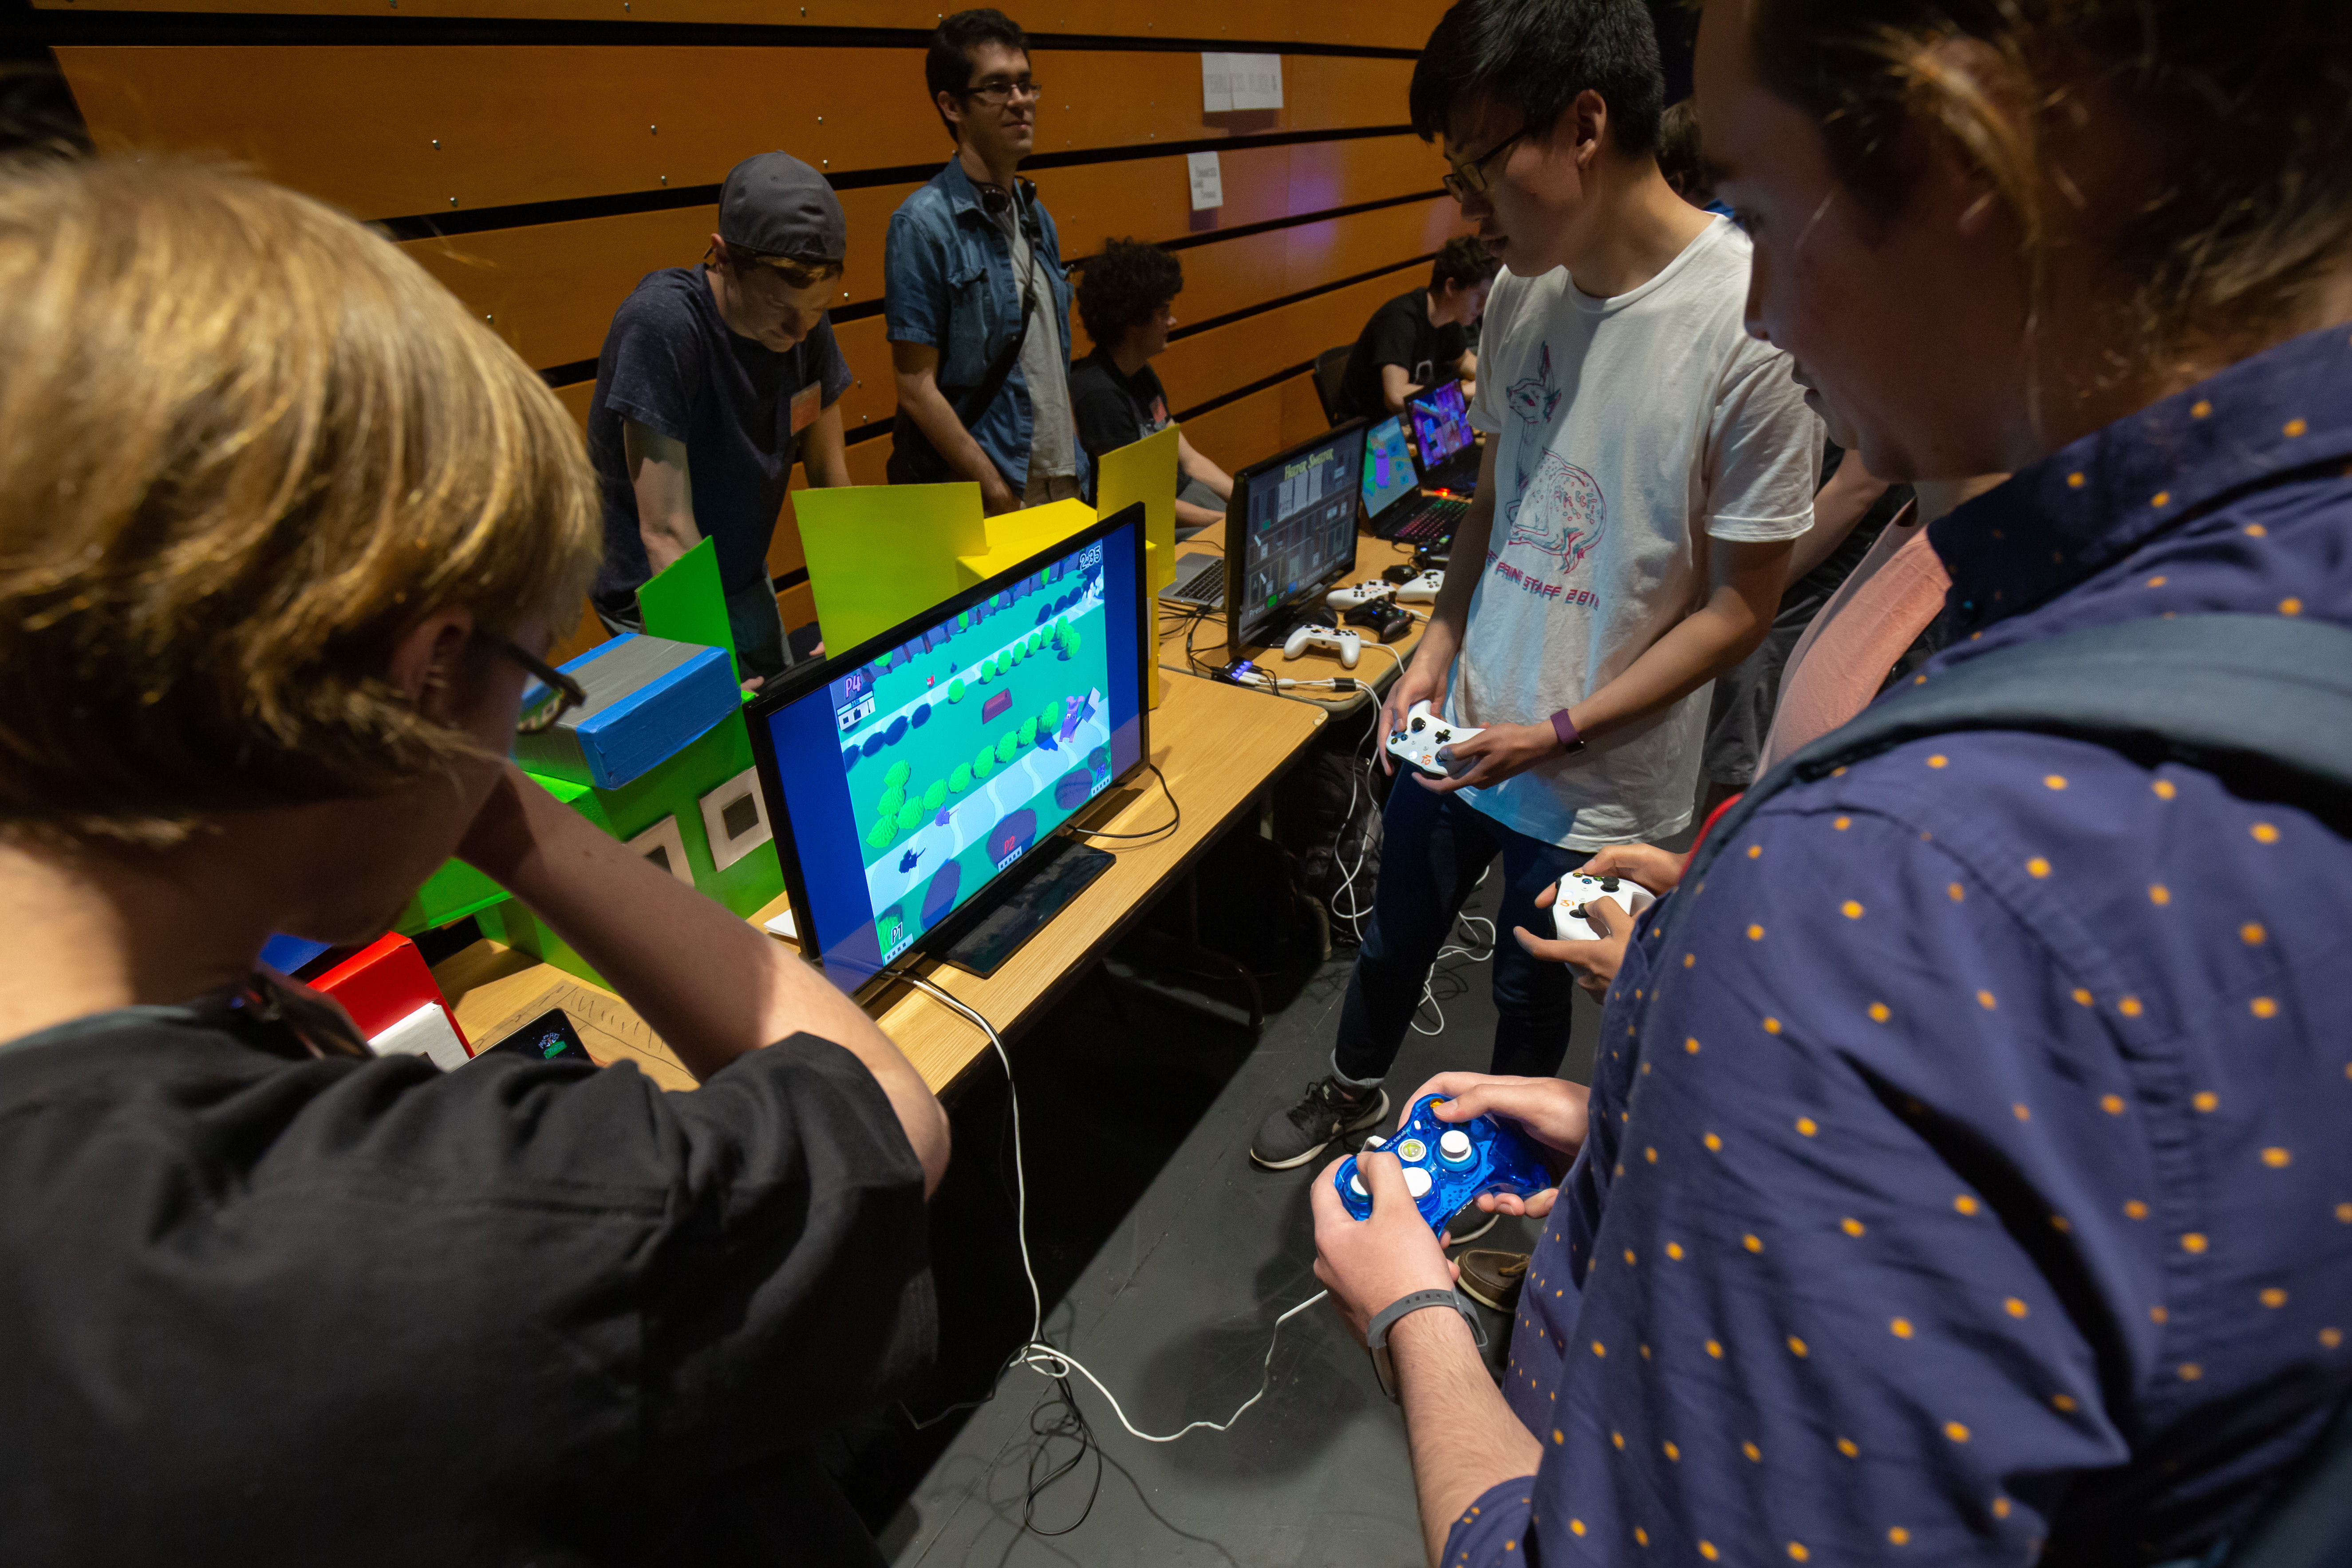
(1568, 902)
(1345, 644)
(1448, 1164)
(1425, 743)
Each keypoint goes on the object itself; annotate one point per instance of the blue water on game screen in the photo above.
(913, 780)
(1388, 467)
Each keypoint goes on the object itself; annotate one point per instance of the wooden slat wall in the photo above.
(575, 156)
(1345, 22)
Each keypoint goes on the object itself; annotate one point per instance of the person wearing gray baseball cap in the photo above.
(713, 381)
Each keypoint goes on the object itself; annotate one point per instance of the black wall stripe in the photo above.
(585, 369)
(668, 198)
(1237, 394)
(96, 24)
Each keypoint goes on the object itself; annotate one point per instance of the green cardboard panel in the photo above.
(449, 896)
(686, 602)
(513, 923)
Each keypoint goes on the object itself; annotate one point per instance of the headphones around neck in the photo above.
(995, 200)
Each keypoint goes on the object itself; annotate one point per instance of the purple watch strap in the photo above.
(1565, 728)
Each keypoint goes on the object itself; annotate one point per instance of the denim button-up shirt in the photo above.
(1970, 1178)
(948, 282)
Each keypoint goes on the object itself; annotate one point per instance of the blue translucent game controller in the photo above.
(1447, 1163)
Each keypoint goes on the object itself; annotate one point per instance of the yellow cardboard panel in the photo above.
(880, 555)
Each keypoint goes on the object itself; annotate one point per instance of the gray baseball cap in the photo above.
(776, 203)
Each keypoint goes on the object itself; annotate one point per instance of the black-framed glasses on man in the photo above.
(550, 696)
(1469, 179)
(996, 90)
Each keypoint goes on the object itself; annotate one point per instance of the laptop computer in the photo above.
(1200, 583)
(1449, 449)
(1395, 507)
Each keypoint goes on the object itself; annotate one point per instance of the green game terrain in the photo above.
(964, 707)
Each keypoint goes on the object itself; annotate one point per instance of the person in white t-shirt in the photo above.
(1647, 465)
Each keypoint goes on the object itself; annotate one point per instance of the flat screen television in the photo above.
(1290, 532)
(908, 776)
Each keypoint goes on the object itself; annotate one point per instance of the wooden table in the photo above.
(1220, 746)
(1207, 647)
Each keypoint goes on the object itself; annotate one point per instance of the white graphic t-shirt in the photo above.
(1628, 431)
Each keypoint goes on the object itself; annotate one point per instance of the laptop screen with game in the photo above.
(1388, 467)
(1441, 424)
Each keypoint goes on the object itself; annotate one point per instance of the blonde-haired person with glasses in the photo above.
(284, 532)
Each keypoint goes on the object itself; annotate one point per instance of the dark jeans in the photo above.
(1433, 850)
(753, 617)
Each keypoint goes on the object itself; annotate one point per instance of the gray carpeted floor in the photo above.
(1175, 1308)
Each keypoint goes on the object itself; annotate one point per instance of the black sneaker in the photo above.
(1291, 1136)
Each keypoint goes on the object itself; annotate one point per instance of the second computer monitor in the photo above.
(1441, 424)
(1389, 474)
(1290, 532)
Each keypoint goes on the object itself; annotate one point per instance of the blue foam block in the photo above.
(649, 698)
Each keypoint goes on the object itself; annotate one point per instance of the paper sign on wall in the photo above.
(1208, 181)
(1240, 81)
(1216, 84)
(1256, 80)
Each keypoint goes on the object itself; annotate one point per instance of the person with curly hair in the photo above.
(1126, 299)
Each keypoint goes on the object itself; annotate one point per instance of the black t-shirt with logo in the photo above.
(670, 363)
(1114, 410)
(1399, 333)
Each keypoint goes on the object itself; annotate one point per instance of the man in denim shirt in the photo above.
(961, 254)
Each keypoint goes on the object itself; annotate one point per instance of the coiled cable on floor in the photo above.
(1045, 1359)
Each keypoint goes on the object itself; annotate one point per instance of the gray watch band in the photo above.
(1376, 1332)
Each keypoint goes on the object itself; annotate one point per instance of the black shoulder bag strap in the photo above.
(913, 458)
(2267, 698)
(2263, 700)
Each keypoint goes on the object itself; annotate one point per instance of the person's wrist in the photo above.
(1565, 734)
(1425, 1329)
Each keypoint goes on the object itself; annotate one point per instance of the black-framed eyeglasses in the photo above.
(1000, 91)
(1470, 179)
(550, 696)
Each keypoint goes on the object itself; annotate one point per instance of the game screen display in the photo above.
(1388, 467)
(1441, 423)
(1301, 525)
(912, 778)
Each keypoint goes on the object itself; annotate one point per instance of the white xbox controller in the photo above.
(1422, 590)
(1355, 595)
(1575, 888)
(1343, 643)
(1425, 743)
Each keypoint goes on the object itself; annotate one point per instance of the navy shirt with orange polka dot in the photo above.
(1972, 1182)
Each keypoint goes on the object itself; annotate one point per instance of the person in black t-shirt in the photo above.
(1417, 340)
(713, 380)
(282, 560)
(1127, 297)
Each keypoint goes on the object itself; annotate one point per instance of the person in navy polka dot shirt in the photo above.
(1969, 1184)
